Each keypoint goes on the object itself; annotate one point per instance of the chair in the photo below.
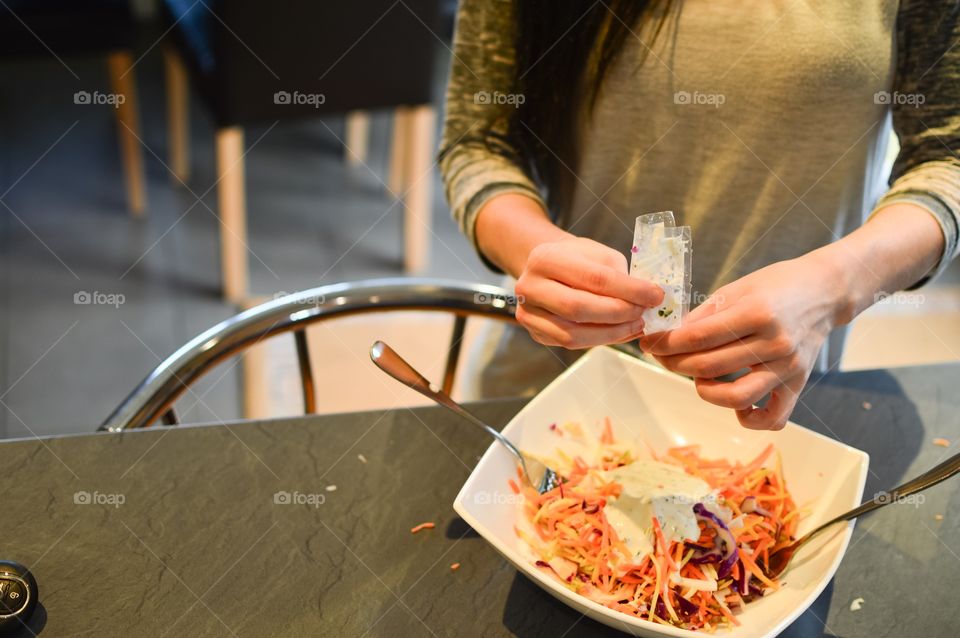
(252, 63)
(63, 28)
(154, 397)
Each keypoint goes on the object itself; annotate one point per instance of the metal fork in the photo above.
(782, 557)
(538, 475)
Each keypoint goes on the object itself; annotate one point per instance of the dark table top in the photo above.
(182, 535)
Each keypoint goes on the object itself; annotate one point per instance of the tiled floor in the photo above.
(64, 229)
(64, 366)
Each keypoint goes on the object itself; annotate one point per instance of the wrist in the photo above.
(894, 249)
(845, 292)
(511, 225)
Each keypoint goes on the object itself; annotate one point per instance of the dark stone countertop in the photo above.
(198, 547)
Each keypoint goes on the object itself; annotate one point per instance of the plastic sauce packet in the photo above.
(662, 253)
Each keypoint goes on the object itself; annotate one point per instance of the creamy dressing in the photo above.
(651, 488)
(661, 255)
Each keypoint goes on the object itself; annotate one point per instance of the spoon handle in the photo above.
(929, 478)
(386, 358)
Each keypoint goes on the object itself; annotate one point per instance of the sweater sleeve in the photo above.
(926, 117)
(476, 160)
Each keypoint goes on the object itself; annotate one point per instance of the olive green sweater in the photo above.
(765, 129)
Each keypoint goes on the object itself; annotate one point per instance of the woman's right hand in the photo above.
(577, 293)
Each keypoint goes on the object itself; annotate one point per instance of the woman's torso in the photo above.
(757, 123)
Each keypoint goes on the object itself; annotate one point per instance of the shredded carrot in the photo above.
(662, 545)
(607, 437)
(576, 543)
(756, 571)
(417, 528)
(454, 567)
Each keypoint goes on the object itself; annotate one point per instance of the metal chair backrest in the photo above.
(156, 394)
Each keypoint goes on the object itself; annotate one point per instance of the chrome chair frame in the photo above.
(156, 394)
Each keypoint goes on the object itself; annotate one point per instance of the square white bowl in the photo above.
(649, 404)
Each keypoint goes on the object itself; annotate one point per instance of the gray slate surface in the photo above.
(200, 548)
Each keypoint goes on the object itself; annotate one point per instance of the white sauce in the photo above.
(651, 488)
(660, 258)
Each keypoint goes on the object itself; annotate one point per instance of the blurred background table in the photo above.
(199, 546)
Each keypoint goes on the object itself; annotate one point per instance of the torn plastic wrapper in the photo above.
(662, 253)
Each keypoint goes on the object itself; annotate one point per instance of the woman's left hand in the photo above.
(772, 322)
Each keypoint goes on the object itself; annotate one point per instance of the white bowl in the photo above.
(647, 403)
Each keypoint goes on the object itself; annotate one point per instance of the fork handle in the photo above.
(931, 477)
(387, 359)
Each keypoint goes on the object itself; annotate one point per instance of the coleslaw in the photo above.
(744, 515)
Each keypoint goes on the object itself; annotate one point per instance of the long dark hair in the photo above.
(564, 49)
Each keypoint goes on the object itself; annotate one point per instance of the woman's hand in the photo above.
(772, 322)
(577, 293)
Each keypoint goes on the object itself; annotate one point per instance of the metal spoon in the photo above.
(781, 558)
(541, 477)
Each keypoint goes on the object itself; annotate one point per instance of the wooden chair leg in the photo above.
(357, 138)
(120, 65)
(419, 190)
(232, 204)
(178, 115)
(399, 151)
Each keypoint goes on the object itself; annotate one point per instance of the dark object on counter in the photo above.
(257, 64)
(18, 596)
(66, 29)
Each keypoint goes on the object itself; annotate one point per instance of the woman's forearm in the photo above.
(896, 248)
(509, 226)
(572, 291)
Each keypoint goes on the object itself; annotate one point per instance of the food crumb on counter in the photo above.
(362, 458)
(938, 517)
(417, 528)
(941, 442)
(454, 567)
(331, 488)
(867, 405)
(856, 604)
